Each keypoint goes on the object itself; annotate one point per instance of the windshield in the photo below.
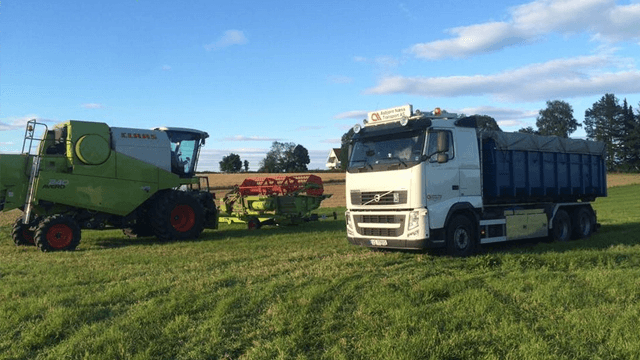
(381, 152)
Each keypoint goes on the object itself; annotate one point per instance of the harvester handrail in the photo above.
(29, 134)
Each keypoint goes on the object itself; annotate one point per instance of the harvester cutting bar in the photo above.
(282, 185)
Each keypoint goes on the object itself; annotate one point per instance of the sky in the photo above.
(253, 72)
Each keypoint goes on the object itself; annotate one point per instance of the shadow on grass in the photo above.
(609, 235)
(225, 231)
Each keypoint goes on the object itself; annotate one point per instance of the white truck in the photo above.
(421, 180)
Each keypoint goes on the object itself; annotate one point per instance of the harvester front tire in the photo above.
(57, 233)
(21, 234)
(177, 215)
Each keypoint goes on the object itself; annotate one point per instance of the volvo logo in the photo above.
(376, 198)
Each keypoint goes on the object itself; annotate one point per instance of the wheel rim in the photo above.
(59, 236)
(28, 236)
(183, 218)
(585, 224)
(252, 224)
(461, 238)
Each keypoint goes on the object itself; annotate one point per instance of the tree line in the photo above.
(283, 157)
(608, 121)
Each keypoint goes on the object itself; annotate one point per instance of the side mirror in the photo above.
(442, 158)
(443, 142)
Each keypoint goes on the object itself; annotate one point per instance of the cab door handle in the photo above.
(455, 187)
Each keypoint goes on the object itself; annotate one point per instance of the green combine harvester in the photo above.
(87, 175)
(276, 200)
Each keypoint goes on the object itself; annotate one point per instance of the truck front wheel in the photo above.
(561, 227)
(57, 232)
(461, 236)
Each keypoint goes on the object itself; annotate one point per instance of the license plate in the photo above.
(379, 242)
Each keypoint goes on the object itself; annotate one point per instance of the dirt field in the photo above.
(334, 184)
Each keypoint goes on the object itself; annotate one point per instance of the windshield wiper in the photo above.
(400, 160)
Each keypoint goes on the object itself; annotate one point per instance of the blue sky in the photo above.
(253, 72)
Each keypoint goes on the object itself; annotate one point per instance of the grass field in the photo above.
(304, 293)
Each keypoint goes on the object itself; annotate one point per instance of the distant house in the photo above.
(333, 161)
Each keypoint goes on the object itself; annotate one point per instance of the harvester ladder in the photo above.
(35, 167)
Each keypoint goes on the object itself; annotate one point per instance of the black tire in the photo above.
(254, 224)
(57, 233)
(561, 227)
(583, 223)
(176, 215)
(461, 236)
(21, 234)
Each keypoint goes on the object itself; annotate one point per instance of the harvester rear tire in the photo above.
(176, 215)
(21, 234)
(57, 233)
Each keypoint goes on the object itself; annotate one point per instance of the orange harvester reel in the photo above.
(282, 185)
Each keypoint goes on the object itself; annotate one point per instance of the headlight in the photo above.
(414, 219)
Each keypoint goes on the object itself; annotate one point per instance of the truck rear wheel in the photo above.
(56, 233)
(583, 223)
(21, 234)
(461, 236)
(561, 227)
(177, 216)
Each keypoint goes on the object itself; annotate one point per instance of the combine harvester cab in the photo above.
(277, 200)
(87, 175)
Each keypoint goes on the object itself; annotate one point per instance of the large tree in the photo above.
(529, 130)
(604, 122)
(630, 139)
(285, 157)
(231, 163)
(486, 122)
(557, 119)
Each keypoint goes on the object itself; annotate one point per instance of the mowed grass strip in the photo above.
(303, 292)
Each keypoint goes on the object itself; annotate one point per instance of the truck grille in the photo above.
(395, 222)
(379, 197)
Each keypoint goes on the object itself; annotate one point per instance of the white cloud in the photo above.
(229, 38)
(499, 113)
(603, 19)
(166, 67)
(249, 138)
(92, 106)
(563, 78)
(356, 114)
(13, 123)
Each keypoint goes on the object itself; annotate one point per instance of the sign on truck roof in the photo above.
(389, 115)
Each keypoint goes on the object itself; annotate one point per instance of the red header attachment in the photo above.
(282, 185)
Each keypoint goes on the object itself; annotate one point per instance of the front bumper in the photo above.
(404, 229)
(398, 244)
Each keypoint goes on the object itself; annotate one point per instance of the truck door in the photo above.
(443, 177)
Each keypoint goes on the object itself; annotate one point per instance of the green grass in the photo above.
(304, 293)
